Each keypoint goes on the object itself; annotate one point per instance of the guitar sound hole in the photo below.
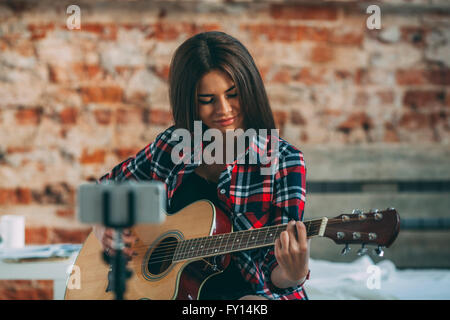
(161, 258)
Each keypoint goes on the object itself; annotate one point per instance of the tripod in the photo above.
(118, 273)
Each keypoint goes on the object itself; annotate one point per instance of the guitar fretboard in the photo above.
(236, 241)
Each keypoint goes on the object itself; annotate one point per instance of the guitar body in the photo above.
(152, 279)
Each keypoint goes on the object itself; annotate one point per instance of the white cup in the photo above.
(12, 231)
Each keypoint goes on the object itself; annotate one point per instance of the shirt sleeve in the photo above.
(145, 165)
(288, 204)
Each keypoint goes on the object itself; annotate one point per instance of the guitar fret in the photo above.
(185, 249)
(193, 247)
(221, 240)
(181, 251)
(203, 246)
(235, 241)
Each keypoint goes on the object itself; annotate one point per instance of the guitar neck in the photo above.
(239, 241)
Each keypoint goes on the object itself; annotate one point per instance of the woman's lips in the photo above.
(226, 122)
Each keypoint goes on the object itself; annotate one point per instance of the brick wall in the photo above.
(76, 102)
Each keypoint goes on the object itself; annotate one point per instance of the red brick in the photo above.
(58, 193)
(356, 120)
(31, 116)
(60, 235)
(304, 136)
(68, 115)
(162, 71)
(104, 31)
(65, 213)
(318, 34)
(309, 76)
(124, 153)
(361, 99)
(59, 74)
(280, 118)
(18, 149)
(297, 118)
(36, 235)
(390, 133)
(102, 94)
(7, 196)
(343, 74)
(414, 120)
(160, 117)
(103, 116)
(322, 54)
(275, 32)
(331, 112)
(410, 77)
(282, 76)
(165, 31)
(303, 12)
(414, 35)
(15, 196)
(39, 31)
(349, 38)
(386, 96)
(92, 157)
(424, 98)
(26, 289)
(439, 76)
(129, 115)
(23, 195)
(85, 71)
(205, 27)
(362, 77)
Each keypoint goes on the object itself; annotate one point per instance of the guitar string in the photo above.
(314, 223)
(169, 251)
(169, 257)
(217, 236)
(167, 247)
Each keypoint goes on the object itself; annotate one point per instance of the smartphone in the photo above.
(122, 205)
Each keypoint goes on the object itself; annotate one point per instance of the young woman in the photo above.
(213, 79)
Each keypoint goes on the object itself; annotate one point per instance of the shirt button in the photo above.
(222, 191)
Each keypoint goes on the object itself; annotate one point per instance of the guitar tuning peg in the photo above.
(363, 250)
(379, 251)
(345, 250)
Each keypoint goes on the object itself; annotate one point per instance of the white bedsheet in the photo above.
(361, 279)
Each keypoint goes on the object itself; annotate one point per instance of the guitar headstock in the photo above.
(376, 227)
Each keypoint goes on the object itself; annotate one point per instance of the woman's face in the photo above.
(218, 102)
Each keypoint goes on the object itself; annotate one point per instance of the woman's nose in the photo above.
(223, 106)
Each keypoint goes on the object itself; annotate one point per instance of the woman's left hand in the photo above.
(292, 252)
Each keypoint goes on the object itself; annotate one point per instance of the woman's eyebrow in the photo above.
(210, 95)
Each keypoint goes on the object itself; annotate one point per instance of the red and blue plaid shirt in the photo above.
(251, 199)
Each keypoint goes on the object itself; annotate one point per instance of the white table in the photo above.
(58, 271)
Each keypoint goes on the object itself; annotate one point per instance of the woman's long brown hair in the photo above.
(209, 51)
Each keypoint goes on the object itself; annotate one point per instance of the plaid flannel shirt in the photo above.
(251, 200)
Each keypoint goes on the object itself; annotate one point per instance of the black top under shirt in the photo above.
(228, 285)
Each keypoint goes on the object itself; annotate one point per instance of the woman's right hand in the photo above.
(105, 236)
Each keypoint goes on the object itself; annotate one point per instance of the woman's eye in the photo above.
(209, 101)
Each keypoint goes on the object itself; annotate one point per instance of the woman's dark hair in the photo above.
(209, 51)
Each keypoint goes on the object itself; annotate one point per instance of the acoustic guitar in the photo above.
(174, 259)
